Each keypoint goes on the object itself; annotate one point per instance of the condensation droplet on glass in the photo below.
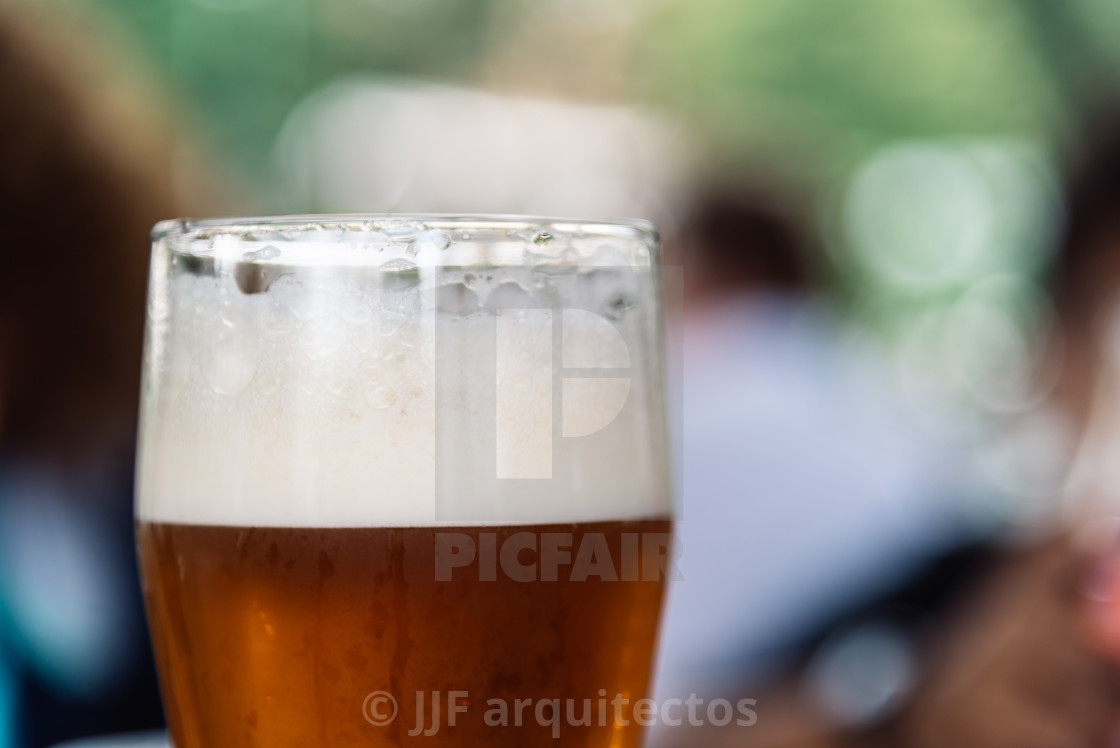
(432, 240)
(398, 265)
(509, 295)
(402, 231)
(617, 306)
(270, 252)
(456, 299)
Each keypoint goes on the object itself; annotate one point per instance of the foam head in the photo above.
(375, 371)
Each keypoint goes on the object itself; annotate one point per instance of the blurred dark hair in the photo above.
(737, 236)
(1083, 265)
(86, 172)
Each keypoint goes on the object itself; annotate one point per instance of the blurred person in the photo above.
(86, 170)
(828, 573)
(1033, 658)
(1085, 286)
(800, 468)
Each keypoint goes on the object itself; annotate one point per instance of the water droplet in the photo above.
(509, 295)
(617, 305)
(398, 265)
(553, 264)
(368, 241)
(457, 299)
(402, 231)
(399, 273)
(270, 252)
(319, 232)
(193, 265)
(253, 278)
(434, 238)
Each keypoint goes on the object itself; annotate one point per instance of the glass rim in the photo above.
(191, 228)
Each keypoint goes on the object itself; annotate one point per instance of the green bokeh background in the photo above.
(811, 88)
(932, 133)
(830, 79)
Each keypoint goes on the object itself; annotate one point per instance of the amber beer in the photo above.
(274, 636)
(294, 497)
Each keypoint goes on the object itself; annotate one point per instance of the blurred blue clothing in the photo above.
(73, 644)
(7, 703)
(803, 485)
(59, 587)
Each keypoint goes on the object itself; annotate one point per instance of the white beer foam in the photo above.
(314, 404)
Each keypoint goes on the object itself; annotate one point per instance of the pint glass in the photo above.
(403, 480)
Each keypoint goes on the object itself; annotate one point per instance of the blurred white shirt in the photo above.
(804, 487)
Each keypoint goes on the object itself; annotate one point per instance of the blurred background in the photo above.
(928, 135)
(924, 145)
